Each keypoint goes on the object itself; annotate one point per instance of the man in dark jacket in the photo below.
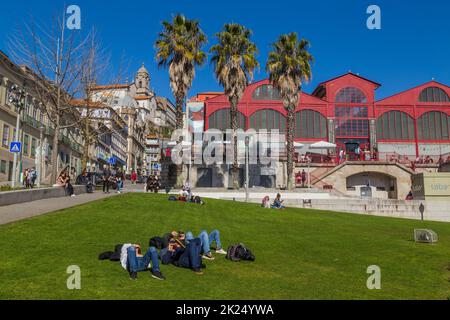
(106, 176)
(185, 257)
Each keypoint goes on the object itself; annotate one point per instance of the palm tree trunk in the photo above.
(180, 174)
(180, 121)
(290, 148)
(234, 127)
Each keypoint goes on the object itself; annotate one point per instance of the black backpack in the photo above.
(110, 255)
(157, 242)
(239, 252)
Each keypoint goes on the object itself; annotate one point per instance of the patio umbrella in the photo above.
(322, 145)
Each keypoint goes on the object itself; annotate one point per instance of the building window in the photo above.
(268, 119)
(434, 125)
(351, 121)
(395, 125)
(33, 147)
(310, 124)
(3, 166)
(351, 95)
(433, 94)
(26, 143)
(5, 136)
(266, 92)
(352, 128)
(221, 120)
(351, 112)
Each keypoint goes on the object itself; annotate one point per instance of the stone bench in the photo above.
(20, 196)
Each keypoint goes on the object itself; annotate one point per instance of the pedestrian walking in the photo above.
(133, 177)
(106, 176)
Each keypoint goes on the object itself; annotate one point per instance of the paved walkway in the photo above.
(26, 210)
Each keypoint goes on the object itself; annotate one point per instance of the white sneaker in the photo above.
(208, 256)
(73, 196)
(221, 251)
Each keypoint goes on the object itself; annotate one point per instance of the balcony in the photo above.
(31, 121)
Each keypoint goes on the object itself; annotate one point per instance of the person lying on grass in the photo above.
(206, 241)
(183, 256)
(133, 261)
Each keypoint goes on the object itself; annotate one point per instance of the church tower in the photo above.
(142, 82)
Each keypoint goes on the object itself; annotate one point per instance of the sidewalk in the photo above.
(26, 210)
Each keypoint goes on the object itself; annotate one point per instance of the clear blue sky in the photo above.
(413, 46)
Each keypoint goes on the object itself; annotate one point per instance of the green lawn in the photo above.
(300, 254)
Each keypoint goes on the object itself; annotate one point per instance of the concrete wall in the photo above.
(431, 186)
(408, 149)
(338, 177)
(21, 196)
(433, 210)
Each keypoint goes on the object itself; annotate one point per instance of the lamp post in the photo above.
(41, 151)
(17, 98)
(247, 160)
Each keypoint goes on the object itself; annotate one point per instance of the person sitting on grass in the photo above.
(133, 261)
(278, 203)
(265, 202)
(183, 195)
(206, 240)
(185, 256)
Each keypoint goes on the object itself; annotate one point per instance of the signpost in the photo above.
(15, 147)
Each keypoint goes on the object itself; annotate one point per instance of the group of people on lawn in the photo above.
(277, 203)
(177, 248)
(186, 195)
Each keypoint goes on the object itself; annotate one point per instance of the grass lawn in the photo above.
(300, 254)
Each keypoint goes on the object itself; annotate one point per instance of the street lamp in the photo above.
(16, 98)
(41, 151)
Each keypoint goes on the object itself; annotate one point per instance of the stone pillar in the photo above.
(331, 131)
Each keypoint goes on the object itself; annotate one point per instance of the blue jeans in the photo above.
(191, 256)
(206, 240)
(137, 264)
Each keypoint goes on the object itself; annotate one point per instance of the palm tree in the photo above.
(234, 60)
(179, 47)
(288, 65)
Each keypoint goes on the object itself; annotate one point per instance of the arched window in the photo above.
(351, 95)
(221, 120)
(266, 92)
(433, 94)
(268, 119)
(310, 124)
(395, 125)
(434, 125)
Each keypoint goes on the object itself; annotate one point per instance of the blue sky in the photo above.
(413, 46)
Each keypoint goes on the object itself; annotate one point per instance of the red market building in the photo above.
(344, 111)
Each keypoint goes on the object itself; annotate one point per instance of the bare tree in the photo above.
(95, 123)
(55, 56)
